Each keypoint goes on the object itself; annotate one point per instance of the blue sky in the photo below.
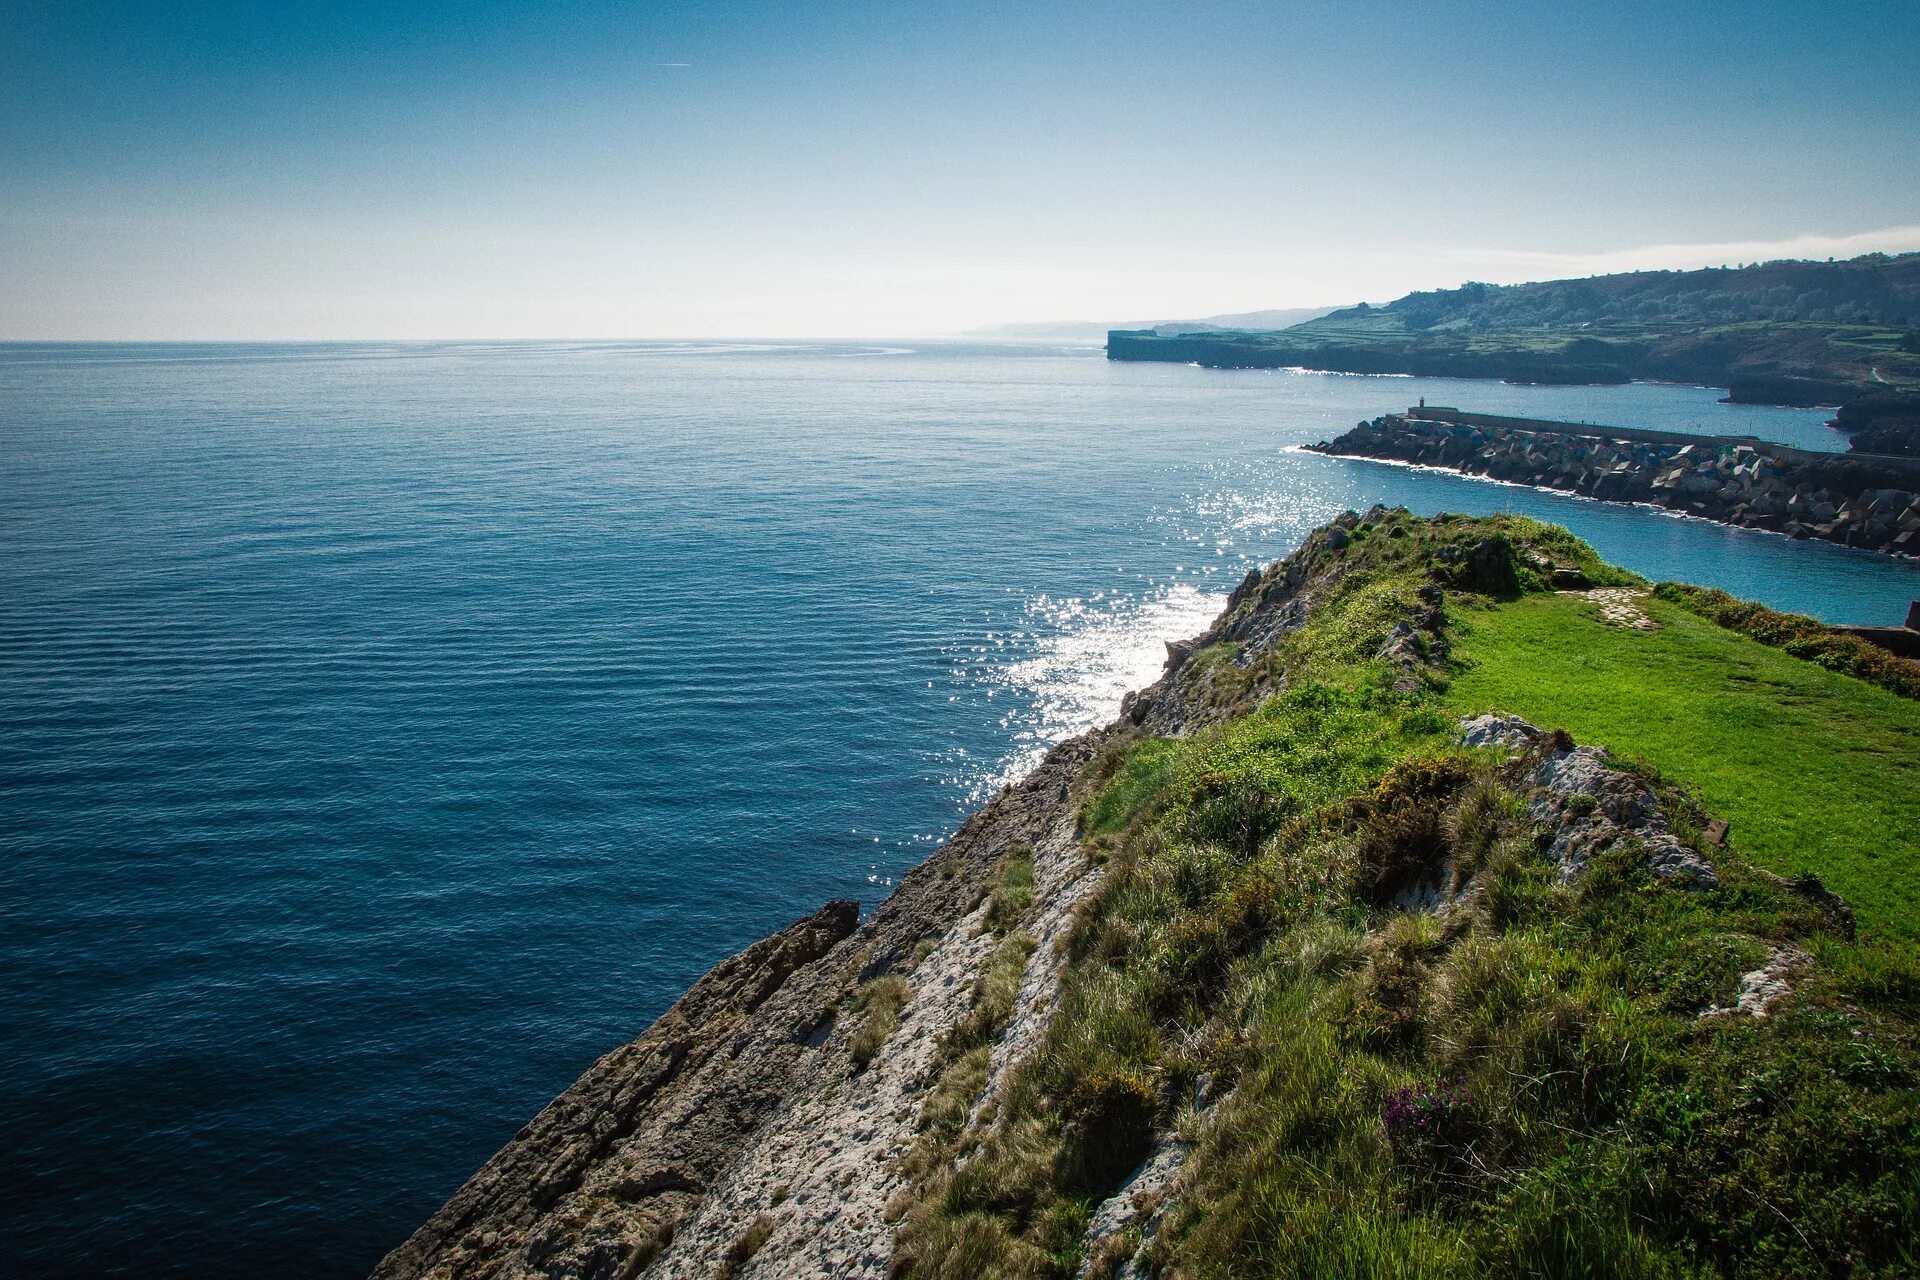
(290, 170)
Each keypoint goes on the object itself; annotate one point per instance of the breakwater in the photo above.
(1859, 501)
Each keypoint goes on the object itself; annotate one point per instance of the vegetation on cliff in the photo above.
(1390, 1009)
(1307, 966)
(1876, 289)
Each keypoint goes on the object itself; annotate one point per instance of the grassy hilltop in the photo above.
(1814, 770)
(1335, 962)
(1779, 332)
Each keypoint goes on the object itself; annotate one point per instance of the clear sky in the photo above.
(290, 169)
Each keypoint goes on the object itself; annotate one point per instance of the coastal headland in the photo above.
(1858, 500)
(1428, 916)
(1788, 333)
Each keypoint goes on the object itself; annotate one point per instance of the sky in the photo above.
(290, 170)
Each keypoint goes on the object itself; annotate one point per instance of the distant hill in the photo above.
(1262, 321)
(1778, 332)
(1285, 318)
(1874, 290)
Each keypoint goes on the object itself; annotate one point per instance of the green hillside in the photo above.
(1877, 290)
(1781, 332)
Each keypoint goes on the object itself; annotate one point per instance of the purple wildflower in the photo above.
(1417, 1112)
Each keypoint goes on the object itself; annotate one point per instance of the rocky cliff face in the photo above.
(743, 1097)
(741, 1125)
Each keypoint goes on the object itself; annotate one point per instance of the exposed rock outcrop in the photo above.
(1590, 806)
(1496, 730)
(1763, 988)
(1586, 804)
(645, 1146)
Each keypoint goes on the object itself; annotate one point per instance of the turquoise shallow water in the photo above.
(390, 730)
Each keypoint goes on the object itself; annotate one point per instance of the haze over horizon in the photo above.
(840, 170)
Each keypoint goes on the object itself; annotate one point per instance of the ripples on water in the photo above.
(391, 729)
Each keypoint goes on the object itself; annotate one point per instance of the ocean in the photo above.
(391, 729)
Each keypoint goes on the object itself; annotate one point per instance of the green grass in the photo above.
(1012, 890)
(1815, 771)
(1799, 635)
(878, 1004)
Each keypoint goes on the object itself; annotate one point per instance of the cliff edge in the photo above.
(641, 1167)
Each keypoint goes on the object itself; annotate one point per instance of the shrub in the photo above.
(1422, 1116)
(741, 1251)
(1401, 823)
(1386, 999)
(1233, 811)
(966, 1247)
(1109, 1131)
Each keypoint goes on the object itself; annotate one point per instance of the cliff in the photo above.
(746, 1096)
(1297, 967)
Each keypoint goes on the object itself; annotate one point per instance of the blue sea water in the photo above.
(389, 730)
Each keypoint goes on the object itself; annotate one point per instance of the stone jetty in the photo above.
(1857, 500)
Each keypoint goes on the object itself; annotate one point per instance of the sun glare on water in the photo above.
(1069, 667)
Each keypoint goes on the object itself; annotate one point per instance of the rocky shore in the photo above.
(1867, 502)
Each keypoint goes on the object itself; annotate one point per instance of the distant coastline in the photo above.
(1804, 334)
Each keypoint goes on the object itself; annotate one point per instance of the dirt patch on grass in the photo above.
(1619, 607)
